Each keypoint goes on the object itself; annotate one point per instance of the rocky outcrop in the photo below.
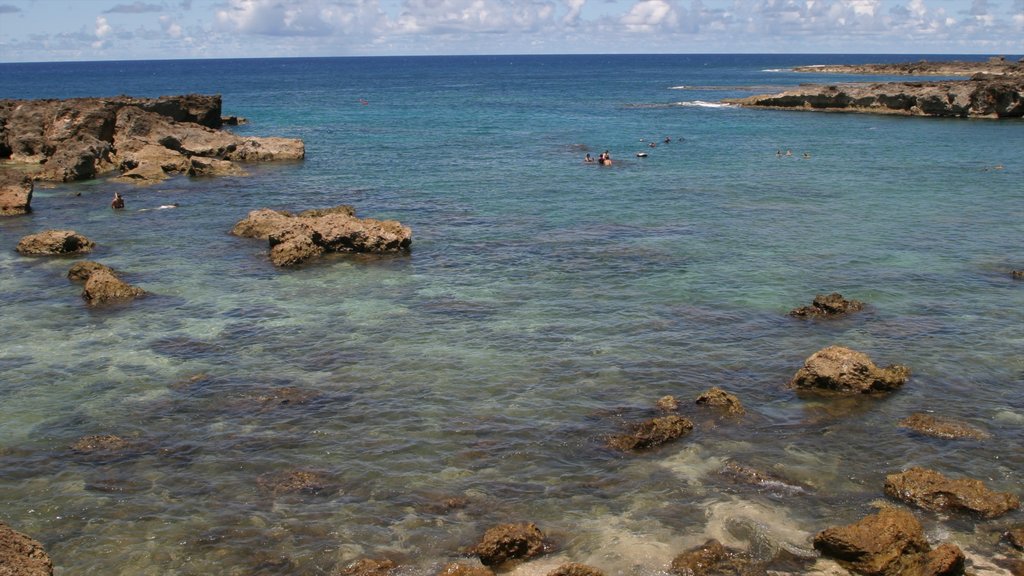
(509, 542)
(463, 569)
(712, 558)
(990, 98)
(652, 433)
(147, 139)
(889, 543)
(21, 555)
(81, 271)
(575, 569)
(370, 567)
(842, 370)
(15, 194)
(54, 243)
(994, 66)
(667, 404)
(1015, 536)
(939, 427)
(104, 287)
(294, 239)
(827, 306)
(721, 400)
(931, 490)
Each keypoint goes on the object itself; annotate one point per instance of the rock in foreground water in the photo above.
(931, 490)
(712, 559)
(940, 427)
(651, 433)
(104, 287)
(21, 555)
(722, 400)
(828, 306)
(15, 195)
(839, 369)
(55, 243)
(509, 542)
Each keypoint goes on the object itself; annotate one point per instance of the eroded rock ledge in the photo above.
(147, 139)
(1000, 66)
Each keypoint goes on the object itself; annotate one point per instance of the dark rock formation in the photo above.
(842, 370)
(81, 271)
(827, 306)
(575, 569)
(294, 239)
(983, 98)
(651, 433)
(939, 427)
(148, 139)
(463, 569)
(889, 543)
(713, 559)
(931, 490)
(370, 567)
(55, 243)
(722, 400)
(509, 542)
(295, 482)
(21, 555)
(994, 67)
(104, 287)
(15, 195)
(1017, 274)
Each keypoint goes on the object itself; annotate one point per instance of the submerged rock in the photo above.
(103, 287)
(889, 543)
(713, 559)
(15, 195)
(1017, 274)
(828, 306)
(370, 567)
(718, 398)
(509, 542)
(758, 478)
(940, 427)
(931, 490)
(294, 482)
(294, 239)
(55, 243)
(667, 404)
(464, 569)
(81, 271)
(21, 555)
(1015, 536)
(651, 433)
(575, 569)
(839, 369)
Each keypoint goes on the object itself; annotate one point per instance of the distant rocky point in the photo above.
(995, 90)
(146, 139)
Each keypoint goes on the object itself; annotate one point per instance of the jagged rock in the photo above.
(103, 287)
(575, 569)
(463, 569)
(370, 567)
(55, 242)
(295, 239)
(81, 271)
(889, 543)
(718, 398)
(651, 433)
(667, 404)
(839, 369)
(15, 195)
(946, 428)
(1015, 536)
(713, 559)
(828, 306)
(21, 555)
(931, 490)
(509, 542)
(294, 482)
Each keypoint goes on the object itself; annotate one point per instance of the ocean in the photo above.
(546, 304)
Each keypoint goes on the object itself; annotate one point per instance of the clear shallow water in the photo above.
(545, 304)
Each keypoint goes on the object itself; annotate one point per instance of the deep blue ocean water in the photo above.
(545, 305)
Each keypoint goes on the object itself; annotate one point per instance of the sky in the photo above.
(68, 30)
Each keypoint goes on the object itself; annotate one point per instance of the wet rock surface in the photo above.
(761, 479)
(464, 569)
(667, 404)
(842, 370)
(15, 194)
(309, 482)
(81, 271)
(370, 567)
(889, 543)
(931, 490)
(941, 427)
(509, 542)
(827, 306)
(652, 433)
(721, 400)
(713, 559)
(1015, 537)
(54, 243)
(575, 569)
(21, 555)
(295, 239)
(104, 287)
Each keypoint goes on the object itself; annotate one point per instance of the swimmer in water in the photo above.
(118, 202)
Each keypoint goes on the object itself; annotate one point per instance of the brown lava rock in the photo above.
(509, 542)
(463, 569)
(718, 398)
(294, 482)
(931, 490)
(1015, 536)
(846, 371)
(21, 555)
(713, 559)
(575, 569)
(15, 195)
(54, 243)
(370, 567)
(651, 433)
(827, 306)
(81, 271)
(104, 287)
(667, 404)
(889, 543)
(939, 427)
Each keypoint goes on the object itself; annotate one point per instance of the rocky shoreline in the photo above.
(995, 66)
(994, 91)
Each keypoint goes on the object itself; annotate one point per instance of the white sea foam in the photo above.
(777, 70)
(703, 104)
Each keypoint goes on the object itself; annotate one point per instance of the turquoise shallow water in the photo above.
(545, 304)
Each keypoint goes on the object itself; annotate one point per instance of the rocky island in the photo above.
(145, 139)
(994, 90)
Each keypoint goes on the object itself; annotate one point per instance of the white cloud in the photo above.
(649, 16)
(572, 17)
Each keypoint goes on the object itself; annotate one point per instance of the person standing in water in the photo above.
(118, 202)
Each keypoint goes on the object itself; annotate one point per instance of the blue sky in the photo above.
(51, 30)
